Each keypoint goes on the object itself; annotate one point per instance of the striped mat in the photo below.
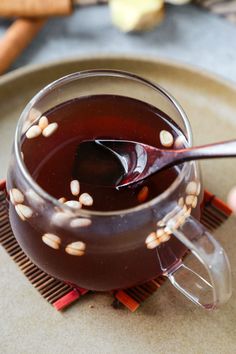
(225, 8)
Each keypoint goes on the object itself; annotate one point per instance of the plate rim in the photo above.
(192, 69)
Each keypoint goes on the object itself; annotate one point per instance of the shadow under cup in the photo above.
(115, 251)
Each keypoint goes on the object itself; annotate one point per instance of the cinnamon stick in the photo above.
(42, 8)
(16, 39)
(33, 8)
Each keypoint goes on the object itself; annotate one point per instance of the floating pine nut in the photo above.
(16, 196)
(50, 129)
(151, 237)
(73, 204)
(181, 202)
(164, 238)
(18, 211)
(167, 231)
(160, 233)
(60, 218)
(43, 122)
(52, 241)
(192, 188)
(22, 155)
(143, 194)
(62, 200)
(76, 248)
(191, 200)
(23, 211)
(86, 199)
(166, 138)
(75, 187)
(80, 222)
(152, 241)
(33, 132)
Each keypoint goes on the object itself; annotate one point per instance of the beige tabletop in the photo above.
(166, 322)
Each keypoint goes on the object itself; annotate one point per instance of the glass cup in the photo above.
(118, 249)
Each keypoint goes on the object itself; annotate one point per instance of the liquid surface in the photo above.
(56, 160)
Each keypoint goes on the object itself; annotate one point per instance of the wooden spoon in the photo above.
(141, 161)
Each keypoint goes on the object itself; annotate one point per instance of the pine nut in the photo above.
(151, 237)
(73, 204)
(86, 199)
(52, 240)
(79, 222)
(192, 188)
(167, 230)
(152, 241)
(166, 138)
(60, 218)
(50, 129)
(62, 200)
(191, 200)
(16, 196)
(43, 122)
(153, 244)
(76, 248)
(143, 194)
(164, 238)
(160, 233)
(181, 202)
(18, 211)
(75, 187)
(23, 211)
(33, 132)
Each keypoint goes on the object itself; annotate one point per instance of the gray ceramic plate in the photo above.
(166, 323)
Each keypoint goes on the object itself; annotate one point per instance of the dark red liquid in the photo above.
(55, 161)
(116, 255)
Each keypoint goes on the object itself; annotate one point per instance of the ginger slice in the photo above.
(136, 15)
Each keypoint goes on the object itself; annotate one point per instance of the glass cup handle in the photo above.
(207, 294)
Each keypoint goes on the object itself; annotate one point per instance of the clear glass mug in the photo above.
(117, 249)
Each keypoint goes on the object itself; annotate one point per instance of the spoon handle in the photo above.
(222, 149)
